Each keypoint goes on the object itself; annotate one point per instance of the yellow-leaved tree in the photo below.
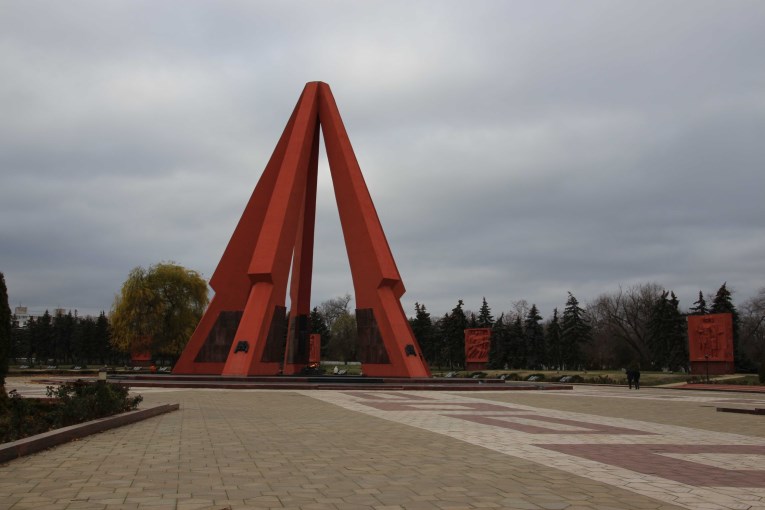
(157, 309)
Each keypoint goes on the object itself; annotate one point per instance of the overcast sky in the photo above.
(513, 149)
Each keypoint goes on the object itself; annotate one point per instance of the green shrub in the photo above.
(510, 377)
(22, 417)
(600, 379)
(536, 377)
(761, 373)
(68, 404)
(80, 401)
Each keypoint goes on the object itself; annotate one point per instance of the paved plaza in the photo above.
(589, 448)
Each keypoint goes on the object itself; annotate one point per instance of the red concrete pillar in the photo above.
(243, 329)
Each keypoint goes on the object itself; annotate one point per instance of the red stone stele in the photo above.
(314, 348)
(477, 344)
(243, 330)
(710, 343)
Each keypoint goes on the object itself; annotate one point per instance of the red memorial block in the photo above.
(710, 343)
(243, 330)
(477, 344)
(140, 359)
(315, 349)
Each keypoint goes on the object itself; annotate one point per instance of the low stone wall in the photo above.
(32, 444)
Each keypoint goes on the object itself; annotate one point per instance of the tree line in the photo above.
(155, 312)
(642, 325)
(158, 308)
(67, 339)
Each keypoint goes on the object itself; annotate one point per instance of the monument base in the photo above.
(712, 367)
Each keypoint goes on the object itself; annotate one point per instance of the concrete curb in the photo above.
(32, 444)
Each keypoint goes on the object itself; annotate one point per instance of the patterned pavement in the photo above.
(590, 448)
(682, 465)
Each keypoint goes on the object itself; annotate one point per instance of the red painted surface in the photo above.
(710, 343)
(477, 344)
(544, 424)
(315, 349)
(140, 359)
(277, 227)
(740, 388)
(654, 459)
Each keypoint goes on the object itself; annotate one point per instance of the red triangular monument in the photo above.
(243, 330)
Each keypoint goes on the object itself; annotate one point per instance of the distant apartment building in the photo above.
(22, 314)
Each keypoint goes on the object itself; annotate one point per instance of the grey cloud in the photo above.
(514, 150)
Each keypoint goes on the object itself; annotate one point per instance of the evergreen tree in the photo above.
(575, 332)
(41, 339)
(63, 329)
(319, 327)
(516, 344)
(536, 356)
(485, 319)
(101, 344)
(699, 306)
(723, 303)
(553, 337)
(667, 334)
(498, 347)
(441, 342)
(678, 337)
(19, 340)
(424, 332)
(31, 347)
(77, 350)
(657, 332)
(5, 333)
(453, 329)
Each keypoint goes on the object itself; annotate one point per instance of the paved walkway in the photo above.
(590, 448)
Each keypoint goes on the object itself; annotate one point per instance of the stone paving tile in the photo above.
(323, 450)
(689, 408)
(692, 467)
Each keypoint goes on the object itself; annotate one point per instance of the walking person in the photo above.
(633, 375)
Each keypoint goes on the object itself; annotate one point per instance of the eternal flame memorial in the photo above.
(242, 331)
(244, 339)
(245, 333)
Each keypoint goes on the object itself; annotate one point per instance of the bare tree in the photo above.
(521, 308)
(752, 314)
(334, 308)
(518, 309)
(343, 344)
(625, 316)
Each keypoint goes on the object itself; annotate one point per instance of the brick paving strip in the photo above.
(693, 468)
